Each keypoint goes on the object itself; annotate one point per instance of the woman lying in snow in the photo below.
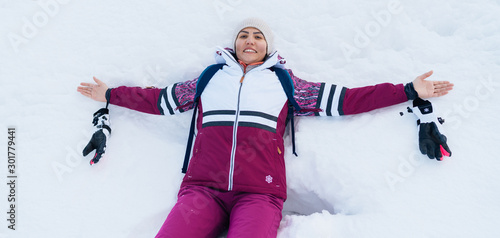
(236, 175)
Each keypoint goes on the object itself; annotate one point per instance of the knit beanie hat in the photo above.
(262, 26)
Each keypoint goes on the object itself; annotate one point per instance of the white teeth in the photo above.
(249, 50)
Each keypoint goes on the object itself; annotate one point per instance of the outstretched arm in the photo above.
(428, 89)
(135, 98)
(321, 99)
(172, 99)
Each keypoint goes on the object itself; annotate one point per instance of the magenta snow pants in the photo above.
(204, 212)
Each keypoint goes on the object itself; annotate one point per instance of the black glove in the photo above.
(431, 142)
(100, 136)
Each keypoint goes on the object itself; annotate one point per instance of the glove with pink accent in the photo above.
(430, 138)
(100, 136)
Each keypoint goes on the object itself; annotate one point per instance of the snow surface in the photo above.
(356, 176)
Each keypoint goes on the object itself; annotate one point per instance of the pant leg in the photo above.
(197, 213)
(255, 215)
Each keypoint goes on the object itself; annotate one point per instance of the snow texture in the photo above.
(356, 176)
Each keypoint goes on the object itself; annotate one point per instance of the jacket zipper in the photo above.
(235, 127)
(235, 132)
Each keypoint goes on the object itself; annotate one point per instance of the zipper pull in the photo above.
(242, 77)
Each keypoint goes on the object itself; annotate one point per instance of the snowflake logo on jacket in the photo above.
(269, 179)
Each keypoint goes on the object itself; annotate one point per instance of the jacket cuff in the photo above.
(410, 92)
(108, 95)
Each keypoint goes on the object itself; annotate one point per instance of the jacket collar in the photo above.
(225, 56)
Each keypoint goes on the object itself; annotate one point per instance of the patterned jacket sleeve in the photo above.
(173, 99)
(321, 99)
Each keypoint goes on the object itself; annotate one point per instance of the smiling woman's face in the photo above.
(251, 46)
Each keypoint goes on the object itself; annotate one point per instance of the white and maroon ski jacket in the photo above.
(241, 122)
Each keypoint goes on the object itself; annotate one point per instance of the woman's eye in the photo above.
(243, 36)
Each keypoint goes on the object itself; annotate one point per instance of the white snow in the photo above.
(356, 176)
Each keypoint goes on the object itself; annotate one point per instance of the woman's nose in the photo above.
(250, 41)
